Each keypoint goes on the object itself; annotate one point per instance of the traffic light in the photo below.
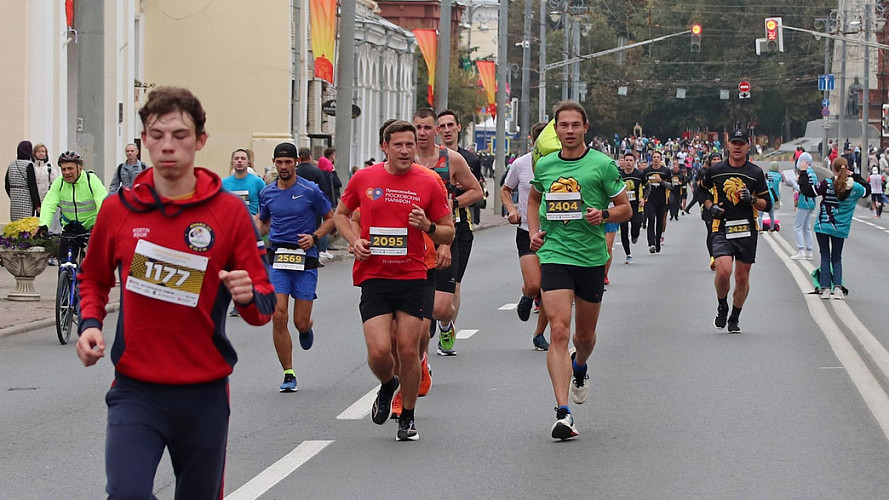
(774, 34)
(696, 38)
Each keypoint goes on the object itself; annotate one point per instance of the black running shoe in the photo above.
(733, 326)
(721, 316)
(524, 307)
(382, 408)
(407, 431)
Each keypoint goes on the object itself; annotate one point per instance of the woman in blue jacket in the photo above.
(805, 208)
(839, 195)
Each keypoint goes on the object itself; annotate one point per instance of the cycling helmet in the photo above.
(68, 156)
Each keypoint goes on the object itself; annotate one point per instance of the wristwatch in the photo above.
(315, 238)
(604, 215)
(431, 228)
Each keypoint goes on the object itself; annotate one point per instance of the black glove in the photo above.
(716, 211)
(746, 196)
(42, 231)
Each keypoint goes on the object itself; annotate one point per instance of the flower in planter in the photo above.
(22, 235)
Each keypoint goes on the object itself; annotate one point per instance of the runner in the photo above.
(740, 191)
(449, 128)
(288, 209)
(656, 200)
(678, 180)
(519, 177)
(454, 171)
(635, 181)
(394, 199)
(566, 231)
(184, 250)
(699, 195)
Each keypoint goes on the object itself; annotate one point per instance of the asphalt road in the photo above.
(794, 407)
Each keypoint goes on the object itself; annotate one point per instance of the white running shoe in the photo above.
(801, 255)
(563, 428)
(825, 293)
(838, 294)
(809, 255)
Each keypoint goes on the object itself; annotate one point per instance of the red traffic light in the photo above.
(696, 29)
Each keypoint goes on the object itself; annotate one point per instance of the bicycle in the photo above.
(67, 293)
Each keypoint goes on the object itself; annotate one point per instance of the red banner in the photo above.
(486, 71)
(322, 15)
(69, 12)
(428, 42)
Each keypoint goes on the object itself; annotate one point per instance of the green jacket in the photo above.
(77, 202)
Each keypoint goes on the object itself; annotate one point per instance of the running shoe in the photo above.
(721, 315)
(540, 343)
(524, 307)
(289, 384)
(407, 431)
(838, 294)
(306, 339)
(733, 326)
(801, 255)
(629, 259)
(396, 407)
(825, 293)
(564, 427)
(234, 312)
(652, 249)
(580, 383)
(809, 255)
(382, 407)
(607, 282)
(446, 340)
(634, 239)
(425, 376)
(537, 304)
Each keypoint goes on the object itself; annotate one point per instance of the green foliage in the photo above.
(783, 84)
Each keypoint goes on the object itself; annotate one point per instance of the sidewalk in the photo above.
(19, 317)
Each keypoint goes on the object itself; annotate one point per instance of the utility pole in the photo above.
(841, 95)
(865, 99)
(541, 92)
(566, 50)
(502, 76)
(525, 112)
(443, 57)
(575, 67)
(345, 75)
(824, 151)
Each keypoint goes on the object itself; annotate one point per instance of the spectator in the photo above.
(21, 184)
(805, 207)
(128, 170)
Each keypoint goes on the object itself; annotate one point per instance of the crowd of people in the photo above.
(191, 245)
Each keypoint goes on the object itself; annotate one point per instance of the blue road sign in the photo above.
(825, 103)
(825, 82)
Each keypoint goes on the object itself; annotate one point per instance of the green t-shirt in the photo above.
(569, 187)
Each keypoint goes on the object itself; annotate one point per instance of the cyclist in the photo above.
(78, 195)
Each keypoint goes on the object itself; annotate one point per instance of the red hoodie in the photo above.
(171, 328)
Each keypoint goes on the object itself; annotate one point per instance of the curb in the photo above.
(43, 323)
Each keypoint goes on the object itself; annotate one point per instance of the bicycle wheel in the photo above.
(64, 308)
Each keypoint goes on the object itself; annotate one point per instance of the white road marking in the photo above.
(864, 380)
(465, 334)
(361, 408)
(508, 307)
(276, 472)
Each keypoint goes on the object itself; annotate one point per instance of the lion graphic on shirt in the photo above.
(565, 185)
(732, 189)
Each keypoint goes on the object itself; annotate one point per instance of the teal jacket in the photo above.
(78, 202)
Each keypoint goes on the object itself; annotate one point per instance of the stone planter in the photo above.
(24, 265)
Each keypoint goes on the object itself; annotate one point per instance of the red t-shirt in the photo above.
(386, 201)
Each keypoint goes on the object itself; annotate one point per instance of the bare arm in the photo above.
(461, 173)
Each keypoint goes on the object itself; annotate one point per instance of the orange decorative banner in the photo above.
(428, 42)
(323, 34)
(486, 70)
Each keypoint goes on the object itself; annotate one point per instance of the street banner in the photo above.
(486, 71)
(323, 34)
(428, 42)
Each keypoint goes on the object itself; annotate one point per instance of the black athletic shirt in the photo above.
(727, 180)
(658, 190)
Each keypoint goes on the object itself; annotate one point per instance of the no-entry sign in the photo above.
(744, 87)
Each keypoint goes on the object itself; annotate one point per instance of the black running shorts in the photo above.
(386, 296)
(742, 249)
(588, 283)
(446, 279)
(523, 242)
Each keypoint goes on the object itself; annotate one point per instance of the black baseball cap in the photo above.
(285, 150)
(738, 135)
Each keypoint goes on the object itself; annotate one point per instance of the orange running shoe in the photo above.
(396, 406)
(425, 376)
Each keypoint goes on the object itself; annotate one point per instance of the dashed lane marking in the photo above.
(279, 470)
(508, 307)
(465, 334)
(361, 408)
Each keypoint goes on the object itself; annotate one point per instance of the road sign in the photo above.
(825, 82)
(743, 95)
(825, 112)
(825, 103)
(744, 87)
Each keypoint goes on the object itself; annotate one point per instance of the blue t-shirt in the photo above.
(247, 189)
(292, 211)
